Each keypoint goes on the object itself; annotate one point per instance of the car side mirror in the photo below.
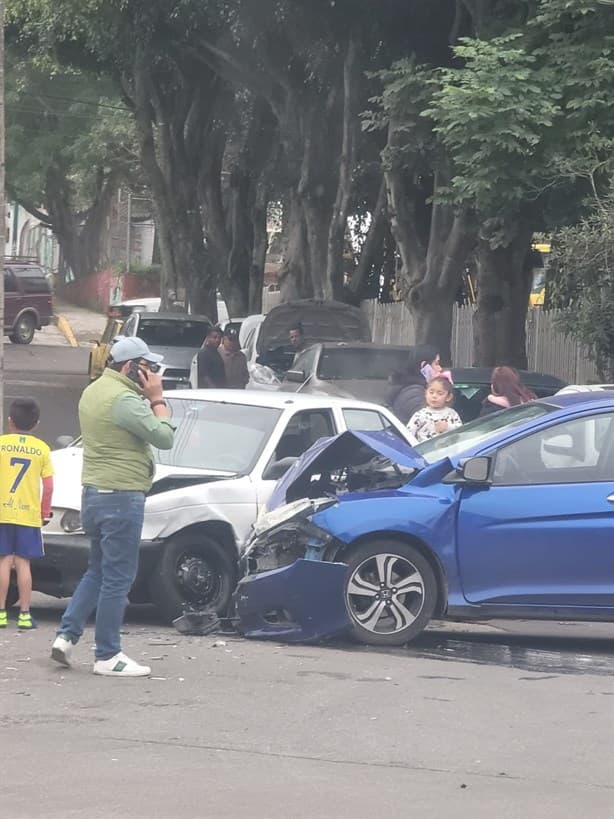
(277, 469)
(296, 376)
(476, 470)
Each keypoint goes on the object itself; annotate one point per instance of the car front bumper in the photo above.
(299, 603)
(66, 560)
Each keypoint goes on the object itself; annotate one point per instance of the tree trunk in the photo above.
(431, 264)
(259, 250)
(294, 279)
(503, 283)
(347, 160)
(373, 243)
(79, 238)
(168, 155)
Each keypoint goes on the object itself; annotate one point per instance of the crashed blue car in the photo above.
(509, 516)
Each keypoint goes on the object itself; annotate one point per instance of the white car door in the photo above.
(299, 432)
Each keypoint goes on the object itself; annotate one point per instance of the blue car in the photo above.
(509, 516)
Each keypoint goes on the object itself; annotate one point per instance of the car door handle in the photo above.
(610, 498)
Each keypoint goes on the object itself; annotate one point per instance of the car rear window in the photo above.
(360, 363)
(169, 333)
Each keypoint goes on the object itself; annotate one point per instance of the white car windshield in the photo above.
(454, 443)
(216, 435)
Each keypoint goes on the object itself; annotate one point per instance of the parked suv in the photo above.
(28, 303)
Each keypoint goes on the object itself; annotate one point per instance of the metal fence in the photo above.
(549, 350)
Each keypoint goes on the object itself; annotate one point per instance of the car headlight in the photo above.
(303, 508)
(295, 539)
(64, 522)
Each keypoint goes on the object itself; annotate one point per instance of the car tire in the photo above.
(381, 614)
(23, 329)
(193, 569)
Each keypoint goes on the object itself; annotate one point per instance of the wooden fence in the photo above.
(548, 349)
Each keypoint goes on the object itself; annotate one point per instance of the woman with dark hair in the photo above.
(507, 390)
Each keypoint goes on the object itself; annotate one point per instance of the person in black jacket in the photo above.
(211, 370)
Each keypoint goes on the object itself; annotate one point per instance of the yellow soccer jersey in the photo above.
(24, 460)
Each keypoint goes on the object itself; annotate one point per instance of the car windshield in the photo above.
(169, 333)
(454, 443)
(360, 363)
(216, 435)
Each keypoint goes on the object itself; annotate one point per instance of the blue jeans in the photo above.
(113, 521)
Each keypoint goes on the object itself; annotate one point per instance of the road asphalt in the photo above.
(231, 728)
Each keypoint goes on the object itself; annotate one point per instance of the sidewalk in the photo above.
(86, 325)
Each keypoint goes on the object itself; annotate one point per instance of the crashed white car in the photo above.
(230, 448)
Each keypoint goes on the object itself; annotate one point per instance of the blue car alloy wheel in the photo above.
(390, 593)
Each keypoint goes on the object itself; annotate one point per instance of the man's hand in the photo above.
(151, 384)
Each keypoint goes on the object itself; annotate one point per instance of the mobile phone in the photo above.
(133, 372)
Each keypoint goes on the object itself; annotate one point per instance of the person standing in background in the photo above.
(507, 390)
(437, 416)
(235, 363)
(297, 339)
(25, 464)
(211, 370)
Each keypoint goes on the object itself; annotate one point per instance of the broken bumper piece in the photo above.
(300, 603)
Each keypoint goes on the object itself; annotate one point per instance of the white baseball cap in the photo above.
(129, 348)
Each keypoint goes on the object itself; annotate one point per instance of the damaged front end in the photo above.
(292, 588)
(288, 591)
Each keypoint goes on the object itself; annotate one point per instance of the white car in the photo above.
(230, 449)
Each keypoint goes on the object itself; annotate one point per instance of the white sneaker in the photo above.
(121, 666)
(61, 650)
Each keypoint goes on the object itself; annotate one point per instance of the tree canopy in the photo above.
(451, 130)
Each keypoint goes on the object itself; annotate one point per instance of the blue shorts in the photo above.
(23, 541)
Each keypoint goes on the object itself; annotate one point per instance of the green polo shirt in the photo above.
(118, 430)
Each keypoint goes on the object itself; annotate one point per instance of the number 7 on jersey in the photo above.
(24, 465)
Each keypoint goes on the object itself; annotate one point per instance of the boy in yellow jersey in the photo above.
(24, 465)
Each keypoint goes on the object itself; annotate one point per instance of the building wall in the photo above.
(100, 289)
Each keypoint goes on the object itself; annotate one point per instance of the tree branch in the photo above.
(42, 217)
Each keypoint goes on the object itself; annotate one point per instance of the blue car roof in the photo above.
(571, 399)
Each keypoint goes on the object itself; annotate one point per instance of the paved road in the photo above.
(53, 374)
(477, 722)
(506, 720)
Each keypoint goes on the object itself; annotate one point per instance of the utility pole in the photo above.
(2, 216)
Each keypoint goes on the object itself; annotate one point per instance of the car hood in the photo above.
(176, 357)
(321, 321)
(339, 452)
(67, 465)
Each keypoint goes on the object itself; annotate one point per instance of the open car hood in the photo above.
(322, 321)
(342, 452)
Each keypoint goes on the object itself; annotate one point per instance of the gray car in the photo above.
(176, 336)
(347, 369)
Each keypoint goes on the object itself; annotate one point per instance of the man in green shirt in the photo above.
(122, 415)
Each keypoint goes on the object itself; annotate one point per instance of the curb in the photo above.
(66, 330)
